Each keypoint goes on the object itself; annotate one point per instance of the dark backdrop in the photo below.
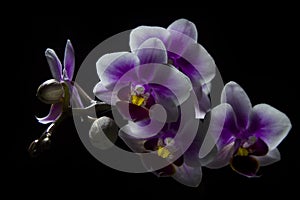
(253, 47)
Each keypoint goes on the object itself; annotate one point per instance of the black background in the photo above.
(251, 46)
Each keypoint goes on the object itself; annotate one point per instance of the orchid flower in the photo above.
(54, 91)
(137, 81)
(249, 136)
(183, 52)
(186, 169)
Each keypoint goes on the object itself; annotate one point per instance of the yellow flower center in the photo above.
(242, 152)
(163, 152)
(137, 100)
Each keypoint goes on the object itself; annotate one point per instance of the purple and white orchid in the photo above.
(183, 51)
(186, 169)
(161, 88)
(246, 137)
(133, 82)
(60, 75)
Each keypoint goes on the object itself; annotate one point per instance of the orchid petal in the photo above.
(168, 100)
(223, 125)
(135, 144)
(171, 79)
(234, 95)
(135, 130)
(245, 165)
(54, 64)
(204, 106)
(222, 129)
(185, 27)
(269, 124)
(206, 88)
(189, 176)
(191, 157)
(152, 51)
(140, 126)
(132, 112)
(143, 33)
(272, 157)
(143, 130)
(54, 114)
(177, 44)
(259, 148)
(75, 98)
(199, 59)
(111, 67)
(69, 61)
(222, 158)
(103, 93)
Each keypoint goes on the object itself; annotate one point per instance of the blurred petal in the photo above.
(177, 44)
(204, 106)
(269, 124)
(222, 158)
(184, 26)
(75, 98)
(205, 153)
(135, 144)
(167, 99)
(201, 61)
(172, 79)
(222, 129)
(223, 125)
(140, 126)
(152, 51)
(245, 165)
(54, 64)
(143, 33)
(209, 157)
(111, 67)
(54, 114)
(206, 88)
(132, 112)
(103, 93)
(69, 61)
(142, 132)
(189, 176)
(234, 95)
(191, 157)
(272, 157)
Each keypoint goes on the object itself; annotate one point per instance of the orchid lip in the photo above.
(245, 165)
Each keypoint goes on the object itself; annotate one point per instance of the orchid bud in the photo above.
(45, 144)
(103, 133)
(50, 92)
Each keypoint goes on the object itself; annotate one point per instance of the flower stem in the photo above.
(43, 142)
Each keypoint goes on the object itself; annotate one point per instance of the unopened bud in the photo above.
(50, 92)
(45, 144)
(103, 133)
(33, 148)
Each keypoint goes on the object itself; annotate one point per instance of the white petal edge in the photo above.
(272, 157)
